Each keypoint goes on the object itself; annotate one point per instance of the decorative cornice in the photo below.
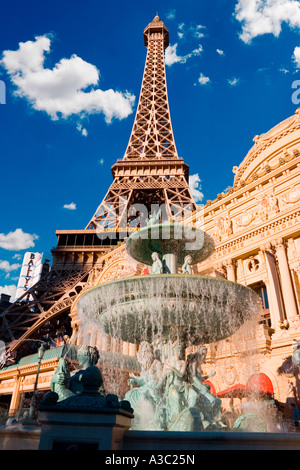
(241, 185)
(255, 232)
(262, 142)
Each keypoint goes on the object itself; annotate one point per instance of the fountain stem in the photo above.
(170, 263)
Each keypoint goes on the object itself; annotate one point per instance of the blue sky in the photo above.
(73, 72)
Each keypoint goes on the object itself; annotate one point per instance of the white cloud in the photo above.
(101, 161)
(233, 81)
(180, 31)
(17, 240)
(195, 31)
(81, 129)
(195, 187)
(260, 17)
(9, 290)
(284, 70)
(296, 56)
(70, 207)
(171, 56)
(7, 267)
(198, 31)
(60, 91)
(171, 14)
(220, 52)
(203, 80)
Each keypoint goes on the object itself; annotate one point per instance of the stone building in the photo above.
(256, 227)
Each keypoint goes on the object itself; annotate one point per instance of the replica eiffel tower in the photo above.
(150, 174)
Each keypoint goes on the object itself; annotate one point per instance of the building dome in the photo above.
(270, 150)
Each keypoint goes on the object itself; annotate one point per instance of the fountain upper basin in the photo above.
(144, 308)
(170, 238)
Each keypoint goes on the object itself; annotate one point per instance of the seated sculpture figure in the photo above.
(157, 264)
(172, 396)
(174, 375)
(60, 381)
(145, 393)
(187, 265)
(190, 405)
(63, 382)
(199, 393)
(87, 356)
(88, 386)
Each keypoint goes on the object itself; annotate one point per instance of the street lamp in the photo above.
(41, 352)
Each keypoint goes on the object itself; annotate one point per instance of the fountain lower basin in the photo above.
(145, 308)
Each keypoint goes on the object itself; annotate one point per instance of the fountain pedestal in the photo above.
(82, 429)
(87, 420)
(170, 263)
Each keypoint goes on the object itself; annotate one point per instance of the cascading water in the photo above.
(167, 314)
(149, 307)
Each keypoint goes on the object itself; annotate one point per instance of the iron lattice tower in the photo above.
(150, 172)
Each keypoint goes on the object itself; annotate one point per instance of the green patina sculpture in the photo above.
(87, 391)
(60, 382)
(249, 422)
(145, 395)
(63, 382)
(171, 395)
(87, 356)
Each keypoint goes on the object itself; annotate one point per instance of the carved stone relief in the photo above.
(245, 219)
(292, 197)
(223, 227)
(118, 269)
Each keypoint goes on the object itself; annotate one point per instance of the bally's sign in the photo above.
(30, 273)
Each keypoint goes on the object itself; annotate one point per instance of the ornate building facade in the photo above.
(255, 225)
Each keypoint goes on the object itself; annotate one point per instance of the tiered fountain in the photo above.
(165, 313)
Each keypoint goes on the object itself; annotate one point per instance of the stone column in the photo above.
(274, 314)
(230, 269)
(296, 282)
(133, 348)
(14, 403)
(273, 287)
(286, 280)
(125, 348)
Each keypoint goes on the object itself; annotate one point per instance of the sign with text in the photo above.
(30, 273)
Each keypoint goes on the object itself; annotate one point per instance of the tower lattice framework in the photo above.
(150, 172)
